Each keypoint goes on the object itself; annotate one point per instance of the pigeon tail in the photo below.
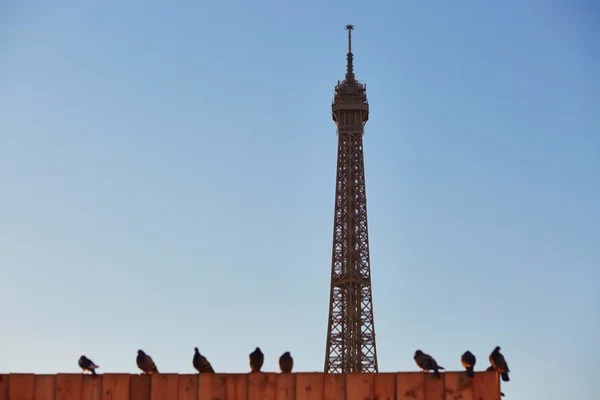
(470, 372)
(505, 377)
(441, 367)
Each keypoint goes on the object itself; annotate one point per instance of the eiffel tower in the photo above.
(351, 331)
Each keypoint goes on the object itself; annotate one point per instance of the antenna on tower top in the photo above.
(349, 28)
(350, 56)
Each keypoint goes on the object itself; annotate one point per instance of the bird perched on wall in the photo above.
(499, 364)
(468, 361)
(257, 358)
(201, 363)
(87, 365)
(145, 363)
(426, 363)
(286, 363)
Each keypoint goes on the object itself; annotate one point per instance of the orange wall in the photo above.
(254, 386)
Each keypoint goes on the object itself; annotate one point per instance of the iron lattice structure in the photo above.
(351, 331)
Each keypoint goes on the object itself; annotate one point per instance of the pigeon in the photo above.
(87, 365)
(257, 358)
(490, 368)
(286, 363)
(499, 364)
(145, 363)
(468, 361)
(426, 363)
(201, 363)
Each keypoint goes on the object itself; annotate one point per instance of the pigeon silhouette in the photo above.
(499, 364)
(87, 365)
(145, 363)
(286, 363)
(426, 363)
(201, 363)
(257, 358)
(468, 361)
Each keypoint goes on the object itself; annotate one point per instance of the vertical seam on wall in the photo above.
(81, 389)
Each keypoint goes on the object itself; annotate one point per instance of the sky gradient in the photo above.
(167, 181)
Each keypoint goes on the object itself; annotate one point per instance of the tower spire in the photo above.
(350, 56)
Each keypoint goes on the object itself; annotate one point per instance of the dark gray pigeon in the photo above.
(499, 364)
(468, 361)
(426, 363)
(145, 363)
(257, 358)
(87, 365)
(286, 363)
(201, 363)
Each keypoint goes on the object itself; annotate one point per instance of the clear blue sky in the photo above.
(167, 181)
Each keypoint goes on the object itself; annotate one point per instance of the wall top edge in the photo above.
(238, 373)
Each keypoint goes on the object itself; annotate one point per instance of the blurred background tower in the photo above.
(351, 330)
